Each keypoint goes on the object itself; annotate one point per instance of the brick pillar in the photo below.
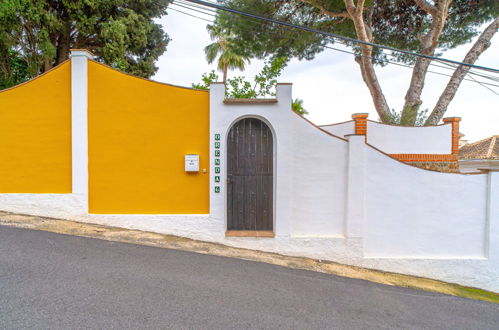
(455, 133)
(360, 123)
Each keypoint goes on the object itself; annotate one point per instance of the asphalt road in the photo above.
(53, 281)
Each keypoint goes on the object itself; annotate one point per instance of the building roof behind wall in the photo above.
(483, 149)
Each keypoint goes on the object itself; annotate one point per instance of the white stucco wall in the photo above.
(319, 178)
(340, 129)
(310, 178)
(410, 140)
(337, 200)
(415, 213)
(222, 117)
(401, 140)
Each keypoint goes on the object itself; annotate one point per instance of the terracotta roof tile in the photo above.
(483, 149)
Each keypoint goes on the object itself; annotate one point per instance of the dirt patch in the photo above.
(180, 243)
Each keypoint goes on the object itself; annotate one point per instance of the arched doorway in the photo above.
(250, 174)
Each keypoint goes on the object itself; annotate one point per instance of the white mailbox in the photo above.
(192, 163)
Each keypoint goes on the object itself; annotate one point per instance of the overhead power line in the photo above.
(179, 11)
(193, 7)
(212, 13)
(336, 36)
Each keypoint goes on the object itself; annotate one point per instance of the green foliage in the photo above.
(396, 118)
(238, 87)
(394, 23)
(40, 33)
(223, 48)
(18, 68)
(206, 80)
(263, 84)
(398, 24)
(297, 107)
(267, 78)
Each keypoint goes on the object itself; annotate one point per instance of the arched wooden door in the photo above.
(250, 176)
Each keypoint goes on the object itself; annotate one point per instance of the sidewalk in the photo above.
(62, 226)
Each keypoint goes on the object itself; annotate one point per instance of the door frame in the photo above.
(274, 175)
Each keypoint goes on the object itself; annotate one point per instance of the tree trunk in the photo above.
(225, 73)
(47, 64)
(429, 43)
(63, 46)
(448, 94)
(64, 40)
(363, 30)
(365, 61)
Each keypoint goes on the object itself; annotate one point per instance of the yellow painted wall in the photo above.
(139, 132)
(35, 134)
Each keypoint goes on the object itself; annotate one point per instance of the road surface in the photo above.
(53, 281)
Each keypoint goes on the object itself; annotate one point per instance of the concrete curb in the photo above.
(123, 235)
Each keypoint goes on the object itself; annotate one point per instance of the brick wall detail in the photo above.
(360, 123)
(424, 157)
(455, 133)
(450, 159)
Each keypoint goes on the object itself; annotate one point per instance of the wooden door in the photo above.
(250, 176)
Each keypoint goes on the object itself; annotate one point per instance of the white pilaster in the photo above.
(284, 151)
(356, 179)
(217, 126)
(79, 124)
(492, 228)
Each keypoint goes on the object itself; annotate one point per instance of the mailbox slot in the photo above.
(192, 163)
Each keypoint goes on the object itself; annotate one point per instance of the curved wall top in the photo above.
(139, 133)
(35, 134)
(393, 139)
(410, 140)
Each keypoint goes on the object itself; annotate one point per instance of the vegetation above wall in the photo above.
(36, 35)
(425, 27)
(263, 84)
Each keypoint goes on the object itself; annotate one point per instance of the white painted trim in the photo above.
(146, 215)
(356, 173)
(217, 204)
(492, 216)
(79, 122)
(79, 126)
(81, 52)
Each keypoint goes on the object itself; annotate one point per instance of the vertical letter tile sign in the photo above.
(217, 162)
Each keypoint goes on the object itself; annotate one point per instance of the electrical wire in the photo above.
(212, 12)
(337, 36)
(352, 53)
(179, 11)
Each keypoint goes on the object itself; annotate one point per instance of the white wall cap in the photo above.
(81, 52)
(478, 165)
(283, 94)
(355, 137)
(217, 86)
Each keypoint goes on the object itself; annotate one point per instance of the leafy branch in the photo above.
(263, 84)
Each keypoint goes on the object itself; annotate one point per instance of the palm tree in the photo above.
(223, 47)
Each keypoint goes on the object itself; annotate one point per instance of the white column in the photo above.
(79, 125)
(217, 126)
(492, 228)
(283, 153)
(356, 180)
